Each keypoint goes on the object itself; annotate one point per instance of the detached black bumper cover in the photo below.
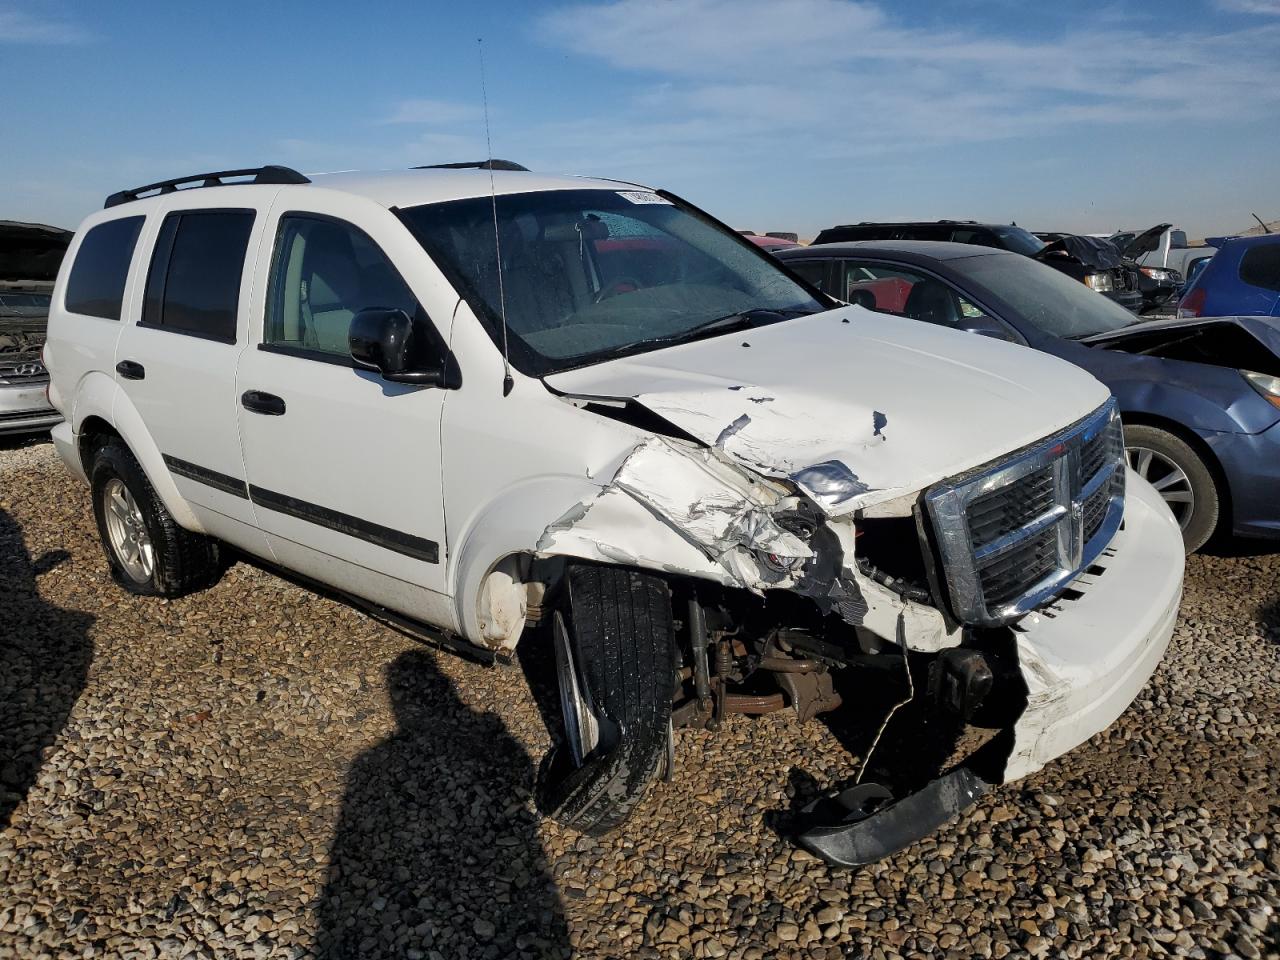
(851, 831)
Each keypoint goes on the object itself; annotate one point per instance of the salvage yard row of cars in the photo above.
(494, 408)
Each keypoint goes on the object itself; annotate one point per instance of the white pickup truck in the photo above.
(475, 399)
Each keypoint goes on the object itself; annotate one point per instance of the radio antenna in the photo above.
(507, 382)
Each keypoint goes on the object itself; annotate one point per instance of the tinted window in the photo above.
(1260, 266)
(194, 283)
(96, 284)
(900, 291)
(323, 274)
(1017, 240)
(815, 271)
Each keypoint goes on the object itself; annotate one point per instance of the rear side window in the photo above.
(1260, 266)
(96, 284)
(325, 272)
(194, 283)
(815, 271)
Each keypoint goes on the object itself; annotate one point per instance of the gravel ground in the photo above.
(259, 772)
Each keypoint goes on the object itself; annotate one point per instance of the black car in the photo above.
(1093, 263)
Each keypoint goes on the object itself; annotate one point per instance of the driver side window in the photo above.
(323, 273)
(903, 292)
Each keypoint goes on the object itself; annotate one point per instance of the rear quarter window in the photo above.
(193, 286)
(1260, 266)
(96, 285)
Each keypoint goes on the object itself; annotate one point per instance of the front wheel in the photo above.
(1180, 476)
(615, 668)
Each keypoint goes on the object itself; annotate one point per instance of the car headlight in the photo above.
(1265, 384)
(1100, 282)
(1156, 273)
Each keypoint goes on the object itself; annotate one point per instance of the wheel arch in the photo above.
(102, 409)
(511, 539)
(1202, 449)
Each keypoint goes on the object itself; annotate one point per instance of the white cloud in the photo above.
(1263, 7)
(432, 112)
(18, 26)
(837, 78)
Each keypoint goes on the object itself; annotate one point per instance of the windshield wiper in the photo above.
(742, 320)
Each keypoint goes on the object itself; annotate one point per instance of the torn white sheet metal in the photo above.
(854, 407)
(720, 513)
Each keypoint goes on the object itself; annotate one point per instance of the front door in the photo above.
(343, 467)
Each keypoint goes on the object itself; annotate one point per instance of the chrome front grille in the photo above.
(25, 371)
(1012, 534)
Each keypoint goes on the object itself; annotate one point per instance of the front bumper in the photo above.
(1084, 660)
(24, 408)
(1251, 462)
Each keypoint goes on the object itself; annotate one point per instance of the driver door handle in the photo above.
(265, 403)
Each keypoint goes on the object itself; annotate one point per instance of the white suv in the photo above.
(716, 488)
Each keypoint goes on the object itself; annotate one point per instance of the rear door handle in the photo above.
(265, 403)
(131, 370)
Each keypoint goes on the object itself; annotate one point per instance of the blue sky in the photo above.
(771, 114)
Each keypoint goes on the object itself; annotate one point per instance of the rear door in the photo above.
(344, 467)
(177, 362)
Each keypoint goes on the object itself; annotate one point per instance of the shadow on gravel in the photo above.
(45, 653)
(434, 850)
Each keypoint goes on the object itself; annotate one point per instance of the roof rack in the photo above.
(268, 174)
(491, 164)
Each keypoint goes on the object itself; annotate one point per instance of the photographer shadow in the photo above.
(435, 848)
(45, 653)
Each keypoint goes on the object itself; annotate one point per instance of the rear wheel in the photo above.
(148, 553)
(1180, 476)
(615, 667)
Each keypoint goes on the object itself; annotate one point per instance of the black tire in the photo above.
(622, 639)
(182, 561)
(1201, 519)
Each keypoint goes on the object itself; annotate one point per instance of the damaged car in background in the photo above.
(1200, 398)
(481, 400)
(29, 257)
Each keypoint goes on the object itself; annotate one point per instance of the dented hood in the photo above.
(856, 407)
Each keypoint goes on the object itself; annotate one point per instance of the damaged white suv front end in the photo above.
(1028, 579)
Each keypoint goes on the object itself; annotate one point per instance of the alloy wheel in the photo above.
(127, 531)
(1169, 479)
(581, 729)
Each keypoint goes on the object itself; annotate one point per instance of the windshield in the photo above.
(1018, 240)
(1051, 301)
(592, 274)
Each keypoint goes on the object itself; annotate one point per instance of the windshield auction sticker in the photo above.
(642, 196)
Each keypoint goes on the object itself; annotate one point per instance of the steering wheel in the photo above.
(618, 286)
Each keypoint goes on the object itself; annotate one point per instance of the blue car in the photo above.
(1200, 398)
(1242, 279)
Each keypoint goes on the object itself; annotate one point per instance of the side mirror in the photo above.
(387, 341)
(984, 326)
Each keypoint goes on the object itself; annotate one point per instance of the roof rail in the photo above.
(491, 164)
(268, 174)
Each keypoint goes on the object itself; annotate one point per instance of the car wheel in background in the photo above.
(149, 554)
(615, 666)
(1180, 476)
